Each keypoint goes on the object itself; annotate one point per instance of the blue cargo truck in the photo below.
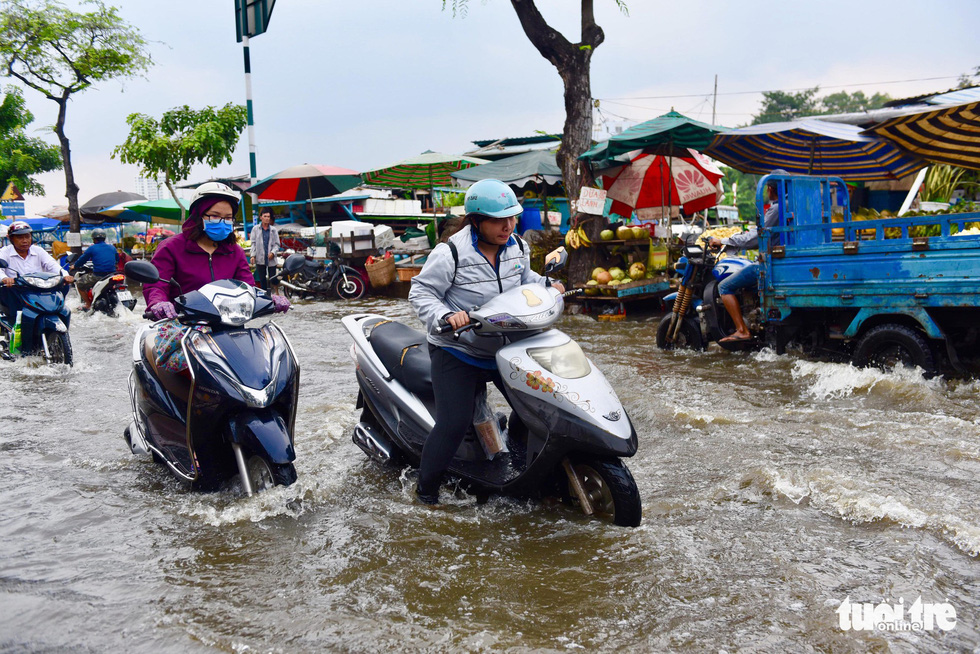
(876, 292)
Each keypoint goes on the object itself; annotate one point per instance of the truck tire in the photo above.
(689, 336)
(886, 346)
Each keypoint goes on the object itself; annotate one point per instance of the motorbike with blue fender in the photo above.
(38, 321)
(566, 433)
(231, 410)
(696, 315)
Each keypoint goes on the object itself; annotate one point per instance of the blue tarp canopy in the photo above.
(37, 224)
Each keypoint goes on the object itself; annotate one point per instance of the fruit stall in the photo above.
(625, 264)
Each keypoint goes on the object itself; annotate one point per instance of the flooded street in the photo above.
(773, 489)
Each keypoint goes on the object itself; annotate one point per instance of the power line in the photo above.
(802, 88)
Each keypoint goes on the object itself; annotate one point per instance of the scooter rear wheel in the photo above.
(263, 474)
(611, 489)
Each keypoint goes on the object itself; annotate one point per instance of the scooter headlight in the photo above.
(236, 307)
(567, 361)
(38, 281)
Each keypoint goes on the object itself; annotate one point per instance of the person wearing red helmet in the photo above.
(22, 257)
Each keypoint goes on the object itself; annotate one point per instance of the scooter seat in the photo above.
(176, 384)
(405, 353)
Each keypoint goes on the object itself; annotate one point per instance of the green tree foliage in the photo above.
(21, 156)
(744, 185)
(969, 79)
(183, 137)
(780, 106)
(59, 52)
(843, 102)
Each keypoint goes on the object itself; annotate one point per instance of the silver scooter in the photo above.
(567, 431)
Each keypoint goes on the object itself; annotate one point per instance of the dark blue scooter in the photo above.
(233, 409)
(40, 299)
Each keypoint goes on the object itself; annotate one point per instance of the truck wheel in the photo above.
(886, 346)
(689, 336)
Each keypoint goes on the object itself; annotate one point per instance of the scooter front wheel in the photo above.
(351, 288)
(263, 474)
(59, 347)
(610, 488)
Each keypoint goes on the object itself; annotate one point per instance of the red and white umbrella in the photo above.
(652, 181)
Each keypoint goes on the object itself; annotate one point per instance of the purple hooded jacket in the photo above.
(180, 258)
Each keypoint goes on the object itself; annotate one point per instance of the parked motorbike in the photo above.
(39, 299)
(109, 292)
(233, 409)
(323, 279)
(696, 314)
(566, 431)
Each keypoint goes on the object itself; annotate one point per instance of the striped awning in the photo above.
(424, 171)
(948, 135)
(812, 147)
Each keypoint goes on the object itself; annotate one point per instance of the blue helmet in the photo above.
(491, 198)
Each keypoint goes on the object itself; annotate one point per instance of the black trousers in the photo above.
(262, 275)
(456, 385)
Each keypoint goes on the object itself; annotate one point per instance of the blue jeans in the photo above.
(745, 278)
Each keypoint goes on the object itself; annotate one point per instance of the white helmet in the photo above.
(216, 190)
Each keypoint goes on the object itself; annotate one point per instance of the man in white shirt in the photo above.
(23, 257)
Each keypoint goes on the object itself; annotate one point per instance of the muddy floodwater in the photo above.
(773, 488)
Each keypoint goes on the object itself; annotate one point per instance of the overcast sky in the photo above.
(363, 83)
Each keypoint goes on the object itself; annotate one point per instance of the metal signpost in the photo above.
(251, 19)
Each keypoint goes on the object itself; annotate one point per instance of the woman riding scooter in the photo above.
(481, 260)
(204, 251)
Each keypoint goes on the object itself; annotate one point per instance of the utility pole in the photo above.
(714, 102)
(251, 19)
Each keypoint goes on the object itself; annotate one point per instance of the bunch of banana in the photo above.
(576, 238)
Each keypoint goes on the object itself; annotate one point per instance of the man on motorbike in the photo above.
(23, 257)
(481, 260)
(204, 251)
(104, 258)
(748, 277)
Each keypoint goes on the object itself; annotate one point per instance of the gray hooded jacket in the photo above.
(435, 293)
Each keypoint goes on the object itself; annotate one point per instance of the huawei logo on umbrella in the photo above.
(689, 181)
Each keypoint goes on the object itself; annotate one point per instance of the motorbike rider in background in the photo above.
(481, 260)
(204, 251)
(23, 257)
(748, 277)
(104, 258)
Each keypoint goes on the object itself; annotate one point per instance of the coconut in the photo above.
(637, 270)
(607, 235)
(617, 273)
(591, 287)
(639, 233)
(596, 271)
(624, 233)
(604, 277)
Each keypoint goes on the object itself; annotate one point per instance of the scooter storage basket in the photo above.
(381, 273)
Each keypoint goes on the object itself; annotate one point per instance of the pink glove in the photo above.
(162, 311)
(281, 303)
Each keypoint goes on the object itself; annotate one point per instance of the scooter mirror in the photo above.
(143, 272)
(555, 260)
(294, 263)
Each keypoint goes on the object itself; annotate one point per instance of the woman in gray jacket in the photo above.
(481, 260)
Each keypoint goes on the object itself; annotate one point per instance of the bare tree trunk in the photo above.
(572, 60)
(71, 189)
(173, 193)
